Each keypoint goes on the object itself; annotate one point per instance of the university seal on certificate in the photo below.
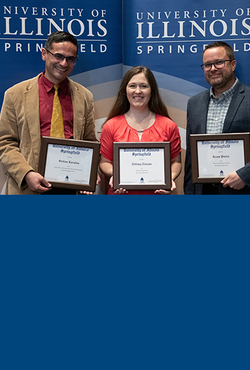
(142, 166)
(213, 157)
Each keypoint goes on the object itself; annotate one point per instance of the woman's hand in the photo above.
(117, 191)
(166, 192)
(175, 171)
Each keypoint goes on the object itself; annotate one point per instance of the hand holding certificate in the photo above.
(140, 166)
(216, 156)
(68, 163)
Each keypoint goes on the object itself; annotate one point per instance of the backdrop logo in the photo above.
(180, 31)
(22, 27)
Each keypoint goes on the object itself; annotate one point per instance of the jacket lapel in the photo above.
(78, 111)
(203, 116)
(31, 108)
(237, 98)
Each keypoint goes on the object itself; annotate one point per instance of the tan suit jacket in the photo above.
(20, 137)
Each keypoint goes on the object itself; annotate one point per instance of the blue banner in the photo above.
(24, 29)
(169, 37)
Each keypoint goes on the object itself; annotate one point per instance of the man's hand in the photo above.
(37, 182)
(234, 181)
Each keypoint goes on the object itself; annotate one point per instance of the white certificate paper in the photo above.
(68, 164)
(220, 158)
(142, 166)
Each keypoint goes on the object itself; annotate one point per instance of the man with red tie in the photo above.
(27, 114)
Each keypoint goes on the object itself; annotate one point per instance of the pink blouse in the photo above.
(117, 129)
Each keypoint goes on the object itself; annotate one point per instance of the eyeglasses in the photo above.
(218, 65)
(60, 58)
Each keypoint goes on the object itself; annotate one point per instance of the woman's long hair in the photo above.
(155, 103)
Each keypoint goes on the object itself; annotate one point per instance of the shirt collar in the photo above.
(226, 94)
(64, 85)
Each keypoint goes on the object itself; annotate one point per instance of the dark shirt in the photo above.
(46, 97)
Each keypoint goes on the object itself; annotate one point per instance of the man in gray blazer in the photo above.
(225, 108)
(26, 116)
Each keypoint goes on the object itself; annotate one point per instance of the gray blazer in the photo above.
(237, 120)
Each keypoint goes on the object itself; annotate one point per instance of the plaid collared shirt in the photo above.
(217, 110)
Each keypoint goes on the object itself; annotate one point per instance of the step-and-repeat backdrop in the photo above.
(113, 35)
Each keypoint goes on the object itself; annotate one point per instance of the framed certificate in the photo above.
(142, 166)
(213, 157)
(68, 163)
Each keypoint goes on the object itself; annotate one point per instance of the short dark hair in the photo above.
(217, 44)
(60, 36)
(155, 104)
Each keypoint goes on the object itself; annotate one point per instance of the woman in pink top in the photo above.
(139, 114)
